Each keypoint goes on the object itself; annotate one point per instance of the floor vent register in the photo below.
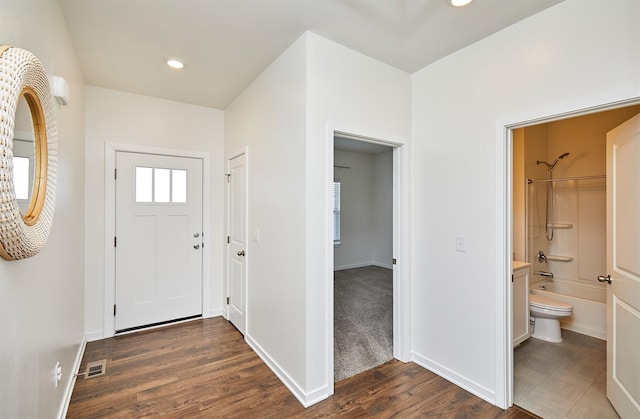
(95, 369)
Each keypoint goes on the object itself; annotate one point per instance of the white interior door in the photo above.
(158, 239)
(623, 266)
(236, 239)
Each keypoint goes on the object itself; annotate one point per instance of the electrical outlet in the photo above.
(461, 244)
(57, 373)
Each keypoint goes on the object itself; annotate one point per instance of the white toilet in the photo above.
(545, 315)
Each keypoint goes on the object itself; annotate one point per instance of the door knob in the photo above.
(602, 278)
(196, 246)
(241, 253)
(196, 235)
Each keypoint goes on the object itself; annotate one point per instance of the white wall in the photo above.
(41, 298)
(383, 209)
(571, 53)
(357, 94)
(113, 116)
(269, 119)
(366, 216)
(283, 119)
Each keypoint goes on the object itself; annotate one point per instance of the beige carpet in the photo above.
(363, 320)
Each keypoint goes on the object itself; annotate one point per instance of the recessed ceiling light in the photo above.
(460, 3)
(174, 63)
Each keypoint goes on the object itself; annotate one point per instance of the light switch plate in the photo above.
(461, 244)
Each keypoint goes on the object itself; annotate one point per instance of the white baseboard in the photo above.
(352, 266)
(68, 391)
(598, 334)
(95, 335)
(362, 265)
(306, 399)
(382, 265)
(316, 396)
(216, 312)
(460, 381)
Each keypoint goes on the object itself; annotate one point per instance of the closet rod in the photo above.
(529, 181)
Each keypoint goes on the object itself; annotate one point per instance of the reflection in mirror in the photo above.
(23, 155)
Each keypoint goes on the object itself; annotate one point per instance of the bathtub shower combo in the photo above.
(566, 230)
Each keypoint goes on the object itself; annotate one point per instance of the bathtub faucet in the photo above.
(544, 273)
(541, 257)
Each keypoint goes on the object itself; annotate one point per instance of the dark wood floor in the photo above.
(205, 369)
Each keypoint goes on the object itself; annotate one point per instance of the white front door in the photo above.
(623, 266)
(158, 239)
(236, 241)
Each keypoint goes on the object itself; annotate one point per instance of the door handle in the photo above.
(241, 253)
(196, 246)
(196, 235)
(602, 278)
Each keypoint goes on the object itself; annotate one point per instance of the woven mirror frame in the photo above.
(23, 76)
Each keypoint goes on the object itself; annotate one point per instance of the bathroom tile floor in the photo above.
(563, 380)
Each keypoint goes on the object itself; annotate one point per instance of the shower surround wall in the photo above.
(577, 251)
(580, 206)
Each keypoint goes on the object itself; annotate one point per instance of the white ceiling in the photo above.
(226, 44)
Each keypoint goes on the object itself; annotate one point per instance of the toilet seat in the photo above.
(542, 302)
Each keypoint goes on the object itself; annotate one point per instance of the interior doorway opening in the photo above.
(363, 255)
(559, 229)
(518, 243)
(400, 241)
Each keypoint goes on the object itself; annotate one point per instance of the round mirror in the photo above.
(27, 154)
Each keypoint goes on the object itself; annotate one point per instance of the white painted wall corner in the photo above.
(68, 391)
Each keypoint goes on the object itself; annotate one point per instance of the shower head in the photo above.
(550, 166)
(560, 157)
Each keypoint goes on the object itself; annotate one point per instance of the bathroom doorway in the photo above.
(559, 228)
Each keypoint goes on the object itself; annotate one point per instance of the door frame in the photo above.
(504, 218)
(111, 150)
(401, 277)
(225, 292)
